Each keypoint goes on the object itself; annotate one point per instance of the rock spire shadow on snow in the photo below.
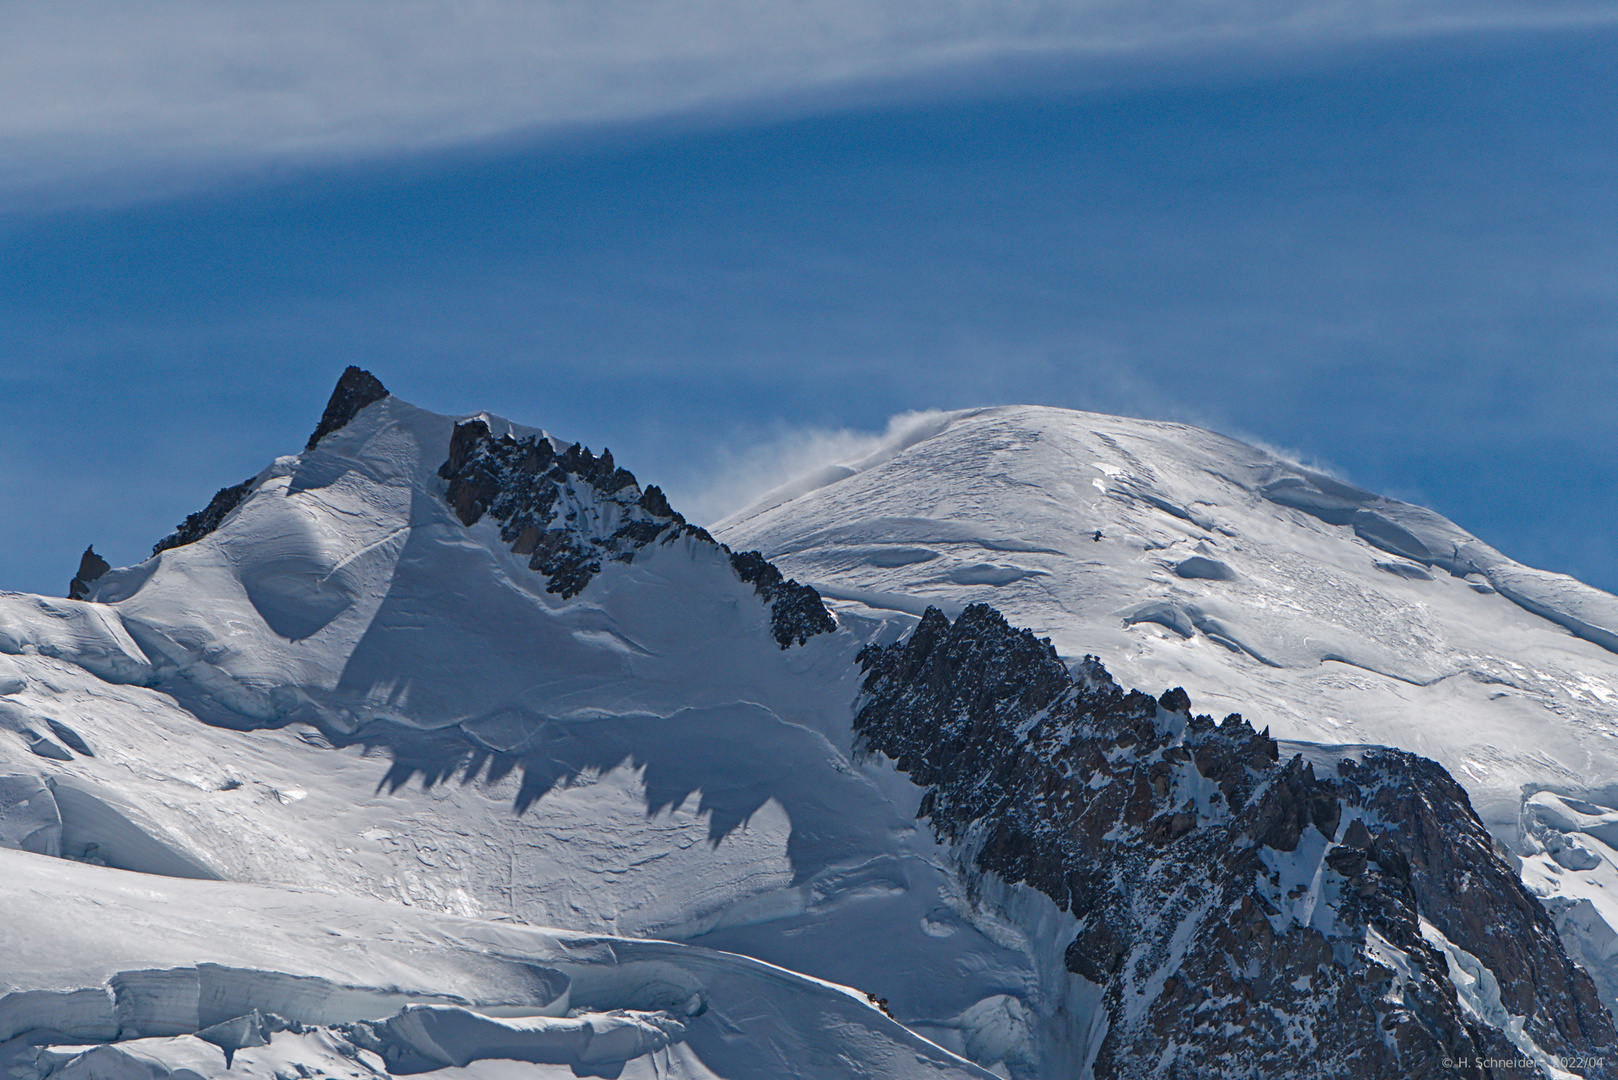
(733, 758)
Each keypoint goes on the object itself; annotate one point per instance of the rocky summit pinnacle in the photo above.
(356, 389)
(91, 566)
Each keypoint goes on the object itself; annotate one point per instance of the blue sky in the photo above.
(1390, 250)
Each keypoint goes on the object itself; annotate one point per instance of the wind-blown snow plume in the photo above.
(790, 460)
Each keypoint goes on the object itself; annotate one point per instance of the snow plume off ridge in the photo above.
(298, 794)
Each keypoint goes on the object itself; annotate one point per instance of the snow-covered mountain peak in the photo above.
(1187, 558)
(428, 569)
(344, 679)
(459, 666)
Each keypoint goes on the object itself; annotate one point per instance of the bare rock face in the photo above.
(797, 613)
(91, 566)
(206, 520)
(1246, 915)
(355, 389)
(569, 510)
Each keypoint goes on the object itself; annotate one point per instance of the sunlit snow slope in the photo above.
(344, 689)
(361, 988)
(1184, 558)
(361, 726)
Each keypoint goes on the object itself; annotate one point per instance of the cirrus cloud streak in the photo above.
(101, 89)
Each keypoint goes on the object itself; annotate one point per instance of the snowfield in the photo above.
(396, 710)
(1325, 611)
(1184, 558)
(156, 961)
(342, 787)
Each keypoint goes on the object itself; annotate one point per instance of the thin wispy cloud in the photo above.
(101, 88)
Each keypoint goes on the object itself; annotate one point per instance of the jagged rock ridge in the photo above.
(797, 613)
(1246, 917)
(206, 520)
(569, 510)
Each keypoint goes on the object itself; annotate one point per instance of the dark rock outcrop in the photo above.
(569, 510)
(355, 389)
(1246, 916)
(797, 613)
(206, 520)
(91, 566)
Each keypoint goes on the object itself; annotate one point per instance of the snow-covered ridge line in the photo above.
(1229, 903)
(355, 389)
(204, 521)
(313, 540)
(1416, 533)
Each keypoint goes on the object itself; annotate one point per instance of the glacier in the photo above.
(1185, 558)
(347, 763)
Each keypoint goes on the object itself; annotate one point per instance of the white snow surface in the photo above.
(645, 761)
(414, 755)
(1208, 575)
(1320, 610)
(328, 960)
